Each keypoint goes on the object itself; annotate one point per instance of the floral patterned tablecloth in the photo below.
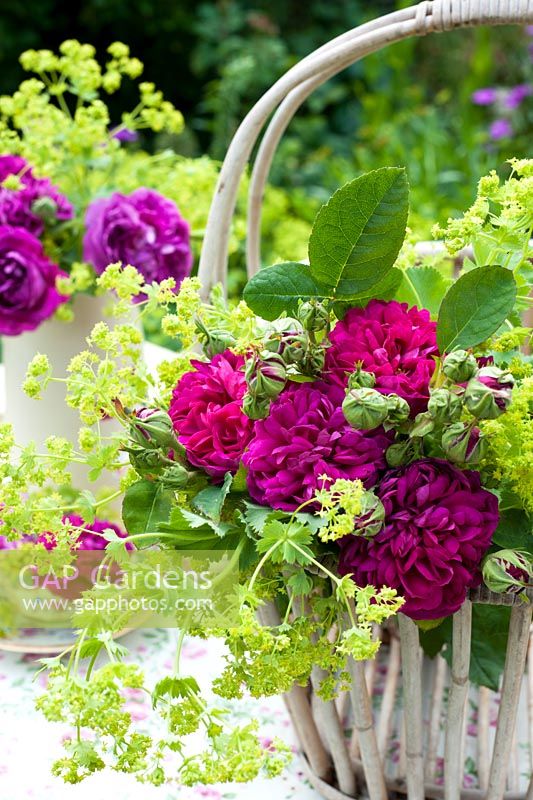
(29, 744)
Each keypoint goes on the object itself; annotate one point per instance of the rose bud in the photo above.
(399, 453)
(176, 477)
(45, 208)
(313, 315)
(360, 378)
(255, 407)
(372, 516)
(460, 366)
(398, 409)
(507, 571)
(266, 376)
(152, 427)
(463, 444)
(146, 462)
(488, 394)
(365, 408)
(214, 341)
(424, 424)
(444, 405)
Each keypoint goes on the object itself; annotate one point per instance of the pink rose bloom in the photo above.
(439, 523)
(89, 538)
(394, 342)
(143, 229)
(206, 411)
(17, 205)
(305, 436)
(28, 293)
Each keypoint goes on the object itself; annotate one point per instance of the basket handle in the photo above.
(297, 83)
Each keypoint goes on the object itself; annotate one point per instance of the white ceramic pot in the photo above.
(36, 420)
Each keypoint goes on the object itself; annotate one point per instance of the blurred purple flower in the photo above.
(124, 135)
(529, 30)
(517, 94)
(484, 97)
(500, 129)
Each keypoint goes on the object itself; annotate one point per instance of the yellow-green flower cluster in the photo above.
(340, 504)
(510, 440)
(499, 224)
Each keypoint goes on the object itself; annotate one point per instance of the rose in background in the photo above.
(144, 229)
(55, 163)
(29, 202)
(28, 293)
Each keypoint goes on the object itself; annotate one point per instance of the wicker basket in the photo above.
(345, 763)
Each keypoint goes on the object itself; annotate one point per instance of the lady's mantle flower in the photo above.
(395, 343)
(89, 538)
(304, 438)
(206, 410)
(439, 523)
(143, 229)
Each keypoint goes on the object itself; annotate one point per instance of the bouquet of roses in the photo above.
(356, 435)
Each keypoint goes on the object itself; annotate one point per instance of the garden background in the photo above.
(448, 108)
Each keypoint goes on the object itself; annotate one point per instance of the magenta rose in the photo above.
(304, 437)
(143, 229)
(28, 293)
(19, 207)
(439, 523)
(396, 343)
(206, 411)
(89, 538)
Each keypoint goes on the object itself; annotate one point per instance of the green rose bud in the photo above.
(152, 428)
(365, 408)
(488, 395)
(398, 410)
(424, 424)
(444, 405)
(372, 516)
(175, 477)
(146, 462)
(266, 375)
(399, 453)
(214, 341)
(313, 315)
(360, 379)
(507, 571)
(463, 444)
(460, 366)
(46, 209)
(255, 407)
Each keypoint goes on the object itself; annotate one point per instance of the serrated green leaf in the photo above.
(423, 287)
(210, 501)
(300, 583)
(256, 516)
(475, 307)
(86, 503)
(278, 289)
(357, 235)
(145, 505)
(192, 532)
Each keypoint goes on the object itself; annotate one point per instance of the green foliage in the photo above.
(423, 287)
(357, 235)
(146, 504)
(475, 307)
(280, 288)
(490, 625)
